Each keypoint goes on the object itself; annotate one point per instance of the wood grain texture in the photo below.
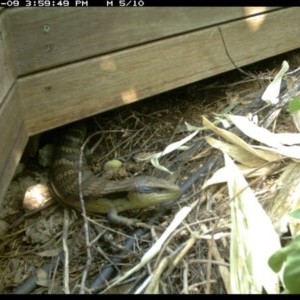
(6, 74)
(62, 95)
(13, 139)
(46, 37)
(259, 37)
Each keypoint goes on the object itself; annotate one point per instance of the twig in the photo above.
(185, 278)
(189, 244)
(85, 219)
(52, 274)
(208, 267)
(66, 250)
(153, 283)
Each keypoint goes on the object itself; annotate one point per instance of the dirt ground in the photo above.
(48, 250)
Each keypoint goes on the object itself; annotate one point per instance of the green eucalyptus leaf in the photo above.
(277, 260)
(291, 274)
(295, 214)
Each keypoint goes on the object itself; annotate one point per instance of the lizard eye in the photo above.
(145, 189)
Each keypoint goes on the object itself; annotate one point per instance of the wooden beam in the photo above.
(62, 95)
(12, 126)
(47, 37)
(6, 75)
(13, 139)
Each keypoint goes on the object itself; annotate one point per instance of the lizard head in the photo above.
(148, 191)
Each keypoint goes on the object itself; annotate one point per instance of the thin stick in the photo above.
(85, 220)
(66, 251)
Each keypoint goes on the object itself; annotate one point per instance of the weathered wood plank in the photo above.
(263, 36)
(13, 139)
(59, 96)
(6, 75)
(46, 37)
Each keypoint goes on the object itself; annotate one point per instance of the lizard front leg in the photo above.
(113, 217)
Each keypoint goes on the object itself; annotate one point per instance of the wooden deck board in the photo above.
(263, 36)
(47, 37)
(62, 95)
